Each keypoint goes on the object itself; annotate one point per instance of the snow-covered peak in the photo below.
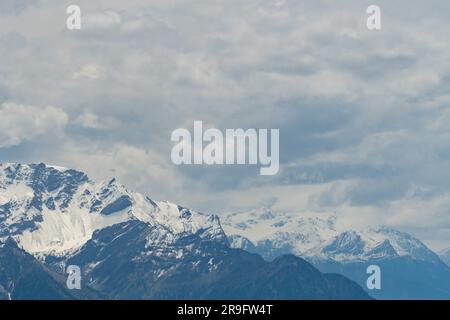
(54, 210)
(17, 171)
(300, 233)
(319, 236)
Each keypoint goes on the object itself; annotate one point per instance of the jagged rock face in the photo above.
(131, 247)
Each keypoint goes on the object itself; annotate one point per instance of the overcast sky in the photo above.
(364, 116)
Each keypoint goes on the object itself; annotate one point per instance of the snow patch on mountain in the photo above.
(65, 230)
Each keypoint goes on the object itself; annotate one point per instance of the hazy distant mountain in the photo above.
(445, 256)
(131, 247)
(409, 268)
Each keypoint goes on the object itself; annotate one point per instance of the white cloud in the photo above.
(93, 121)
(89, 71)
(139, 169)
(20, 123)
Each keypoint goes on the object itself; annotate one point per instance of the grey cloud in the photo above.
(24, 123)
(8, 7)
(367, 109)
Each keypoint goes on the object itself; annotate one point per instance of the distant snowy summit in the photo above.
(318, 238)
(409, 269)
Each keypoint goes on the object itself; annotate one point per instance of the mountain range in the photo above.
(129, 246)
(409, 269)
